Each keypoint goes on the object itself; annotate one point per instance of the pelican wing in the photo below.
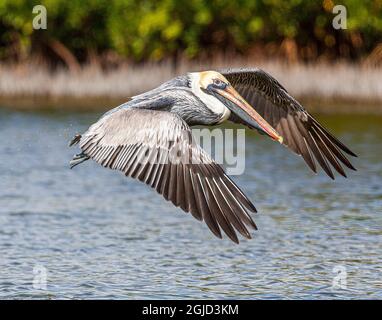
(157, 148)
(301, 132)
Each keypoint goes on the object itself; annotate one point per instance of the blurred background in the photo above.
(106, 48)
(96, 234)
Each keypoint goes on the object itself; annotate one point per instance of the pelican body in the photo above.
(149, 138)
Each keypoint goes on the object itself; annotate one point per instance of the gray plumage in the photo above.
(149, 138)
(195, 182)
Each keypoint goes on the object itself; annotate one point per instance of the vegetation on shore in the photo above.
(111, 31)
(114, 49)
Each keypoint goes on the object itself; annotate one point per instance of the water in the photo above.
(98, 234)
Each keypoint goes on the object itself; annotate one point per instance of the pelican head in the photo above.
(219, 96)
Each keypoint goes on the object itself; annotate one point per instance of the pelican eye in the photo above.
(219, 83)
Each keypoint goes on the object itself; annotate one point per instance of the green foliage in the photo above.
(141, 29)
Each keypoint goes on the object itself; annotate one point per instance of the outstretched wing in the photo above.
(300, 131)
(157, 148)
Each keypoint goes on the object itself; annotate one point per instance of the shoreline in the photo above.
(323, 88)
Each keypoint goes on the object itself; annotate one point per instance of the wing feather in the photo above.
(141, 143)
(301, 132)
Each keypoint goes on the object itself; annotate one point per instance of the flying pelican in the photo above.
(140, 136)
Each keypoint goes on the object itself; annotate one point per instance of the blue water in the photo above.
(98, 234)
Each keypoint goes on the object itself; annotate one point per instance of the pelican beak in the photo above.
(232, 99)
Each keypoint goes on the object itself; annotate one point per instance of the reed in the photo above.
(341, 82)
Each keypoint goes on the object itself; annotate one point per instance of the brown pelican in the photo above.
(149, 138)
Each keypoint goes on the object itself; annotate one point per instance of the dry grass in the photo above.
(319, 82)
